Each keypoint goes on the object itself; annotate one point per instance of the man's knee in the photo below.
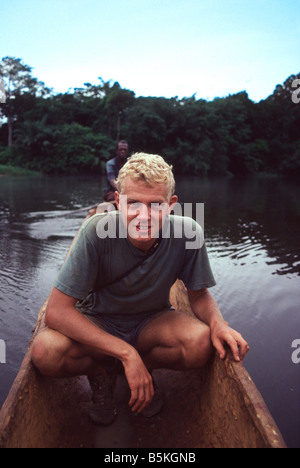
(48, 350)
(197, 348)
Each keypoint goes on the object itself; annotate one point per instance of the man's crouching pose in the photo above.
(110, 302)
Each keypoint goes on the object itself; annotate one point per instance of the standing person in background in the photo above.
(113, 167)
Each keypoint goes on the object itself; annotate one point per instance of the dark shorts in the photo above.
(128, 329)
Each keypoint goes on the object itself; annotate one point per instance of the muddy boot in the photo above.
(102, 409)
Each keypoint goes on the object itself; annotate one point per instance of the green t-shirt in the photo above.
(97, 259)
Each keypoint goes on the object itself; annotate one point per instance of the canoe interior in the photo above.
(214, 407)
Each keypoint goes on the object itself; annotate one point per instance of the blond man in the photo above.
(110, 303)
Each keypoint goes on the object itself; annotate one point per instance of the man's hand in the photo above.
(221, 333)
(206, 309)
(140, 383)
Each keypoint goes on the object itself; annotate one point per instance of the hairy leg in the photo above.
(175, 340)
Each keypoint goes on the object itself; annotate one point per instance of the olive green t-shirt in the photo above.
(102, 253)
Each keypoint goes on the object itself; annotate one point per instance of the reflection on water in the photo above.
(257, 211)
(252, 233)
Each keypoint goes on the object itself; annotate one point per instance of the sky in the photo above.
(210, 48)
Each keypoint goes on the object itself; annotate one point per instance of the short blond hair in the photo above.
(149, 168)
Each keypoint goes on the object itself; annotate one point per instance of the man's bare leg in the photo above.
(173, 341)
(57, 356)
(176, 341)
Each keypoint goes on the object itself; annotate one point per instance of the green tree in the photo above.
(76, 149)
(77, 131)
(17, 79)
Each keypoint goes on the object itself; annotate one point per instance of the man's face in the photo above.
(122, 152)
(144, 210)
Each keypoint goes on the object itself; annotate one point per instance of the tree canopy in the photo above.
(77, 131)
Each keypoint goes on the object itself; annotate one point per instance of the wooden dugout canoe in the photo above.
(214, 407)
(217, 406)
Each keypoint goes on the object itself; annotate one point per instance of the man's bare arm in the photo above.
(206, 309)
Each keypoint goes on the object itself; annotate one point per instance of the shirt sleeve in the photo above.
(196, 271)
(79, 273)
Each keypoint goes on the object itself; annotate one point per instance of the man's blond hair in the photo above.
(149, 168)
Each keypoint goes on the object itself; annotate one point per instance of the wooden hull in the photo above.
(217, 406)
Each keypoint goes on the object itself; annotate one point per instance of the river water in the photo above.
(252, 232)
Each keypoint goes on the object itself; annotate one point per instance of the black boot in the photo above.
(103, 410)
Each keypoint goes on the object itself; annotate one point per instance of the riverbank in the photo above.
(16, 171)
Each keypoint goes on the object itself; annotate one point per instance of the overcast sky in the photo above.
(156, 47)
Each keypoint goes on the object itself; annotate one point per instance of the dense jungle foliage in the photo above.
(76, 132)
